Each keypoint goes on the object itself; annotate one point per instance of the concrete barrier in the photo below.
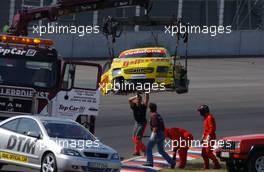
(238, 43)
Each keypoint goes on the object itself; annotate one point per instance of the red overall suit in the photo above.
(179, 136)
(209, 135)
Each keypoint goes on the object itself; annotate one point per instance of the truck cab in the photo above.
(34, 79)
(243, 153)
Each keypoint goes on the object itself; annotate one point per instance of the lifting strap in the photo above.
(113, 29)
(181, 82)
(185, 38)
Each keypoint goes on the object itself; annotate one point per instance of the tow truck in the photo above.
(34, 79)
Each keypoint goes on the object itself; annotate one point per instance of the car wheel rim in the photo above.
(48, 164)
(259, 165)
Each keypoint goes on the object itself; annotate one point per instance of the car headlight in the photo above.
(115, 156)
(116, 72)
(70, 152)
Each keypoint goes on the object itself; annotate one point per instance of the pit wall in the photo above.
(238, 43)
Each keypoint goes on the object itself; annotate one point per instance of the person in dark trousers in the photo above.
(139, 109)
(157, 137)
(208, 136)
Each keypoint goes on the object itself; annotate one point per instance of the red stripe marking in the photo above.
(131, 170)
(196, 149)
(141, 163)
(133, 163)
(157, 165)
(194, 156)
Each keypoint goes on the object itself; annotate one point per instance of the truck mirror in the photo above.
(68, 77)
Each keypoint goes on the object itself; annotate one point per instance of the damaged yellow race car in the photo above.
(144, 70)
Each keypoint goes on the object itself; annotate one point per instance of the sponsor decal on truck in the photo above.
(16, 51)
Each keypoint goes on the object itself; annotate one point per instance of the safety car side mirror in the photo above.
(35, 135)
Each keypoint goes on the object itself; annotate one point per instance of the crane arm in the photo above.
(66, 7)
(112, 26)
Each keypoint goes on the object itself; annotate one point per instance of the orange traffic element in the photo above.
(25, 40)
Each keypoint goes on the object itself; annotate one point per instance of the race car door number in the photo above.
(97, 165)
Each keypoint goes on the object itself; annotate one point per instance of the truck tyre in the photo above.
(230, 166)
(235, 166)
(256, 162)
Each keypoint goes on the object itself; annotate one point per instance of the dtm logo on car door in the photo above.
(21, 144)
(80, 91)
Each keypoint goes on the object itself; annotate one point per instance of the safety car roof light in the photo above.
(25, 40)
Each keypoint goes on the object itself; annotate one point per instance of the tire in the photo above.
(235, 166)
(256, 161)
(230, 166)
(1, 166)
(48, 163)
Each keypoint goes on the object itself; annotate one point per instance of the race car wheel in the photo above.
(256, 162)
(49, 163)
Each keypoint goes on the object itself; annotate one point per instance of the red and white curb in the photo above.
(135, 164)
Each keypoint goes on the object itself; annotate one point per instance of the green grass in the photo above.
(197, 166)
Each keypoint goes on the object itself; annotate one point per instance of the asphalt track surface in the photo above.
(233, 88)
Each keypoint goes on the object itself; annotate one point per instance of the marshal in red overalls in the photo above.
(208, 136)
(178, 136)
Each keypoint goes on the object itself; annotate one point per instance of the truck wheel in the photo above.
(48, 163)
(256, 162)
(230, 166)
(234, 166)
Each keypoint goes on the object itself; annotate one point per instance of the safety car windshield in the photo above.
(67, 130)
(28, 73)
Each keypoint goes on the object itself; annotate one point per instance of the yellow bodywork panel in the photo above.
(13, 157)
(156, 66)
